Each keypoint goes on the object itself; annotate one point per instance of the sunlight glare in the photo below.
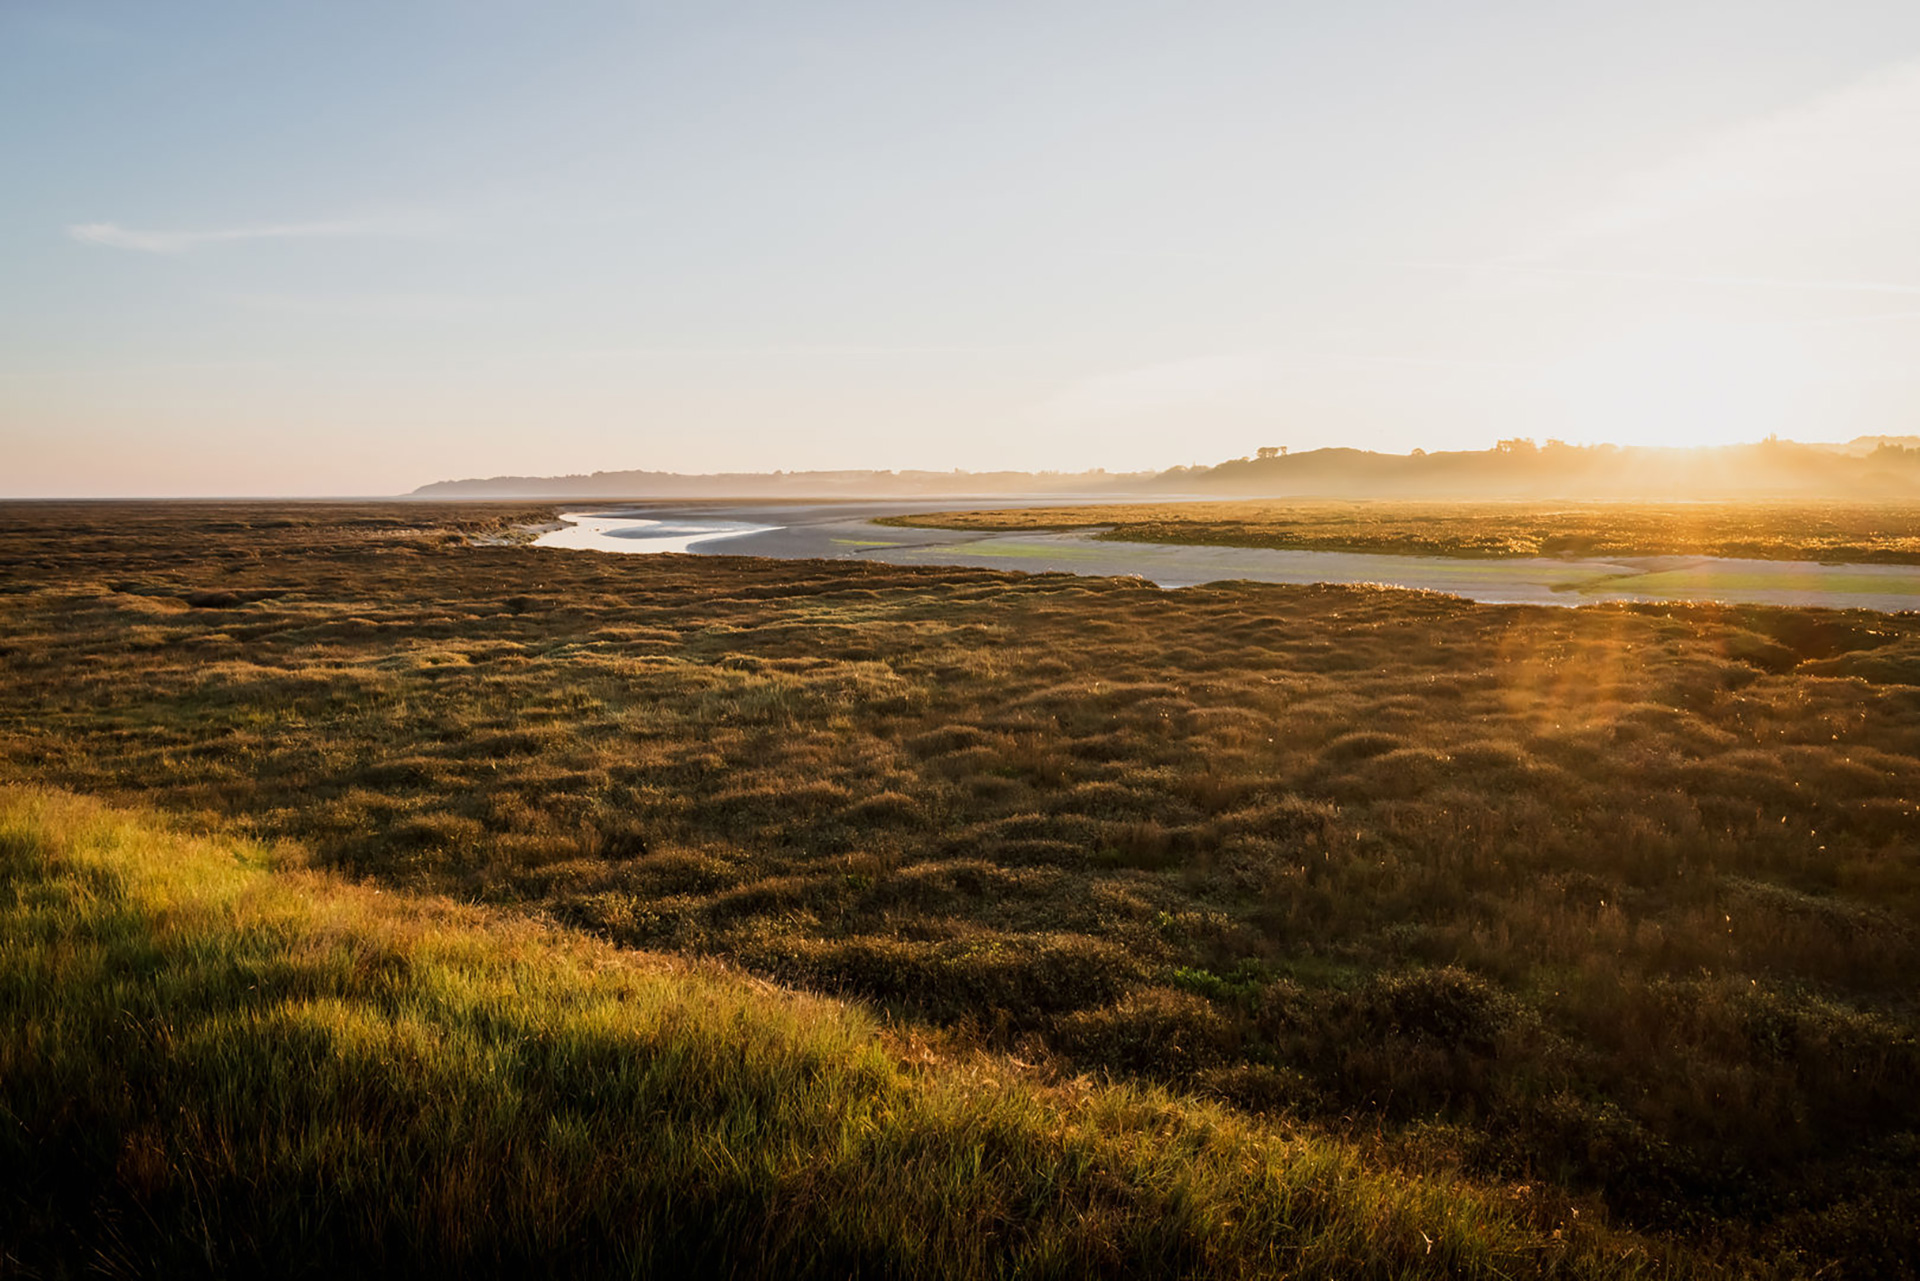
(1682, 382)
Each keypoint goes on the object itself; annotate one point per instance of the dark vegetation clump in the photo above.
(1620, 904)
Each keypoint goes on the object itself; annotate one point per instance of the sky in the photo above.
(350, 248)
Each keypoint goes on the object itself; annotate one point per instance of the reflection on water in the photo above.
(637, 534)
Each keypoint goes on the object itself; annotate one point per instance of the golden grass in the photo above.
(209, 1066)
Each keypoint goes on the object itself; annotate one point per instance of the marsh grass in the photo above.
(209, 1066)
(1886, 533)
(1655, 867)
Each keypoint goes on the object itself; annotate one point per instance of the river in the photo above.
(845, 531)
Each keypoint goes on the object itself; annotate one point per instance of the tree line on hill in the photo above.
(1866, 468)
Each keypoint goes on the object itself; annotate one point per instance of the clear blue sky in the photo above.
(354, 247)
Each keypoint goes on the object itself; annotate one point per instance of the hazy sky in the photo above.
(355, 247)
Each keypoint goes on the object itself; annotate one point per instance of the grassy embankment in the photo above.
(210, 1066)
(1622, 902)
(1885, 533)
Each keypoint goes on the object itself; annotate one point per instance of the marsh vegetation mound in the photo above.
(1885, 532)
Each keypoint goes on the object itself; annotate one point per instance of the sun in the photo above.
(1682, 382)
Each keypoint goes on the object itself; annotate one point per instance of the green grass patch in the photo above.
(1033, 551)
(1709, 579)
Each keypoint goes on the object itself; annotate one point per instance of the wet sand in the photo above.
(845, 531)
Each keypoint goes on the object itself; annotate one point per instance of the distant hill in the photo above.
(1520, 469)
(1866, 468)
(791, 484)
(1861, 446)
